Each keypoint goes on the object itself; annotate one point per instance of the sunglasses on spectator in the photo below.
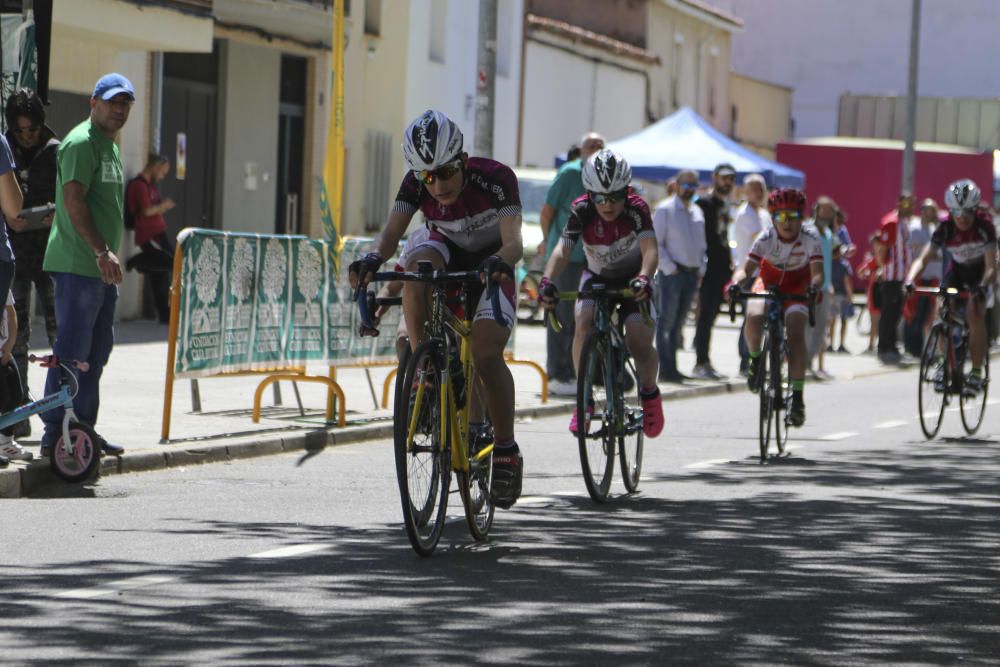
(608, 197)
(790, 216)
(688, 186)
(443, 173)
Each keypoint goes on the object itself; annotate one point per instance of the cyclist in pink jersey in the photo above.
(791, 259)
(473, 210)
(620, 248)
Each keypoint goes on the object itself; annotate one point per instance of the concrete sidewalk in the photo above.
(132, 392)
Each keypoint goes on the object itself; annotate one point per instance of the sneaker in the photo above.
(12, 450)
(508, 469)
(752, 372)
(972, 386)
(796, 412)
(652, 415)
(108, 448)
(939, 380)
(673, 378)
(574, 425)
(829, 348)
(706, 372)
(843, 350)
(560, 388)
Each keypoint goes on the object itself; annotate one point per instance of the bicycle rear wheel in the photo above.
(595, 417)
(935, 377)
(630, 439)
(423, 460)
(474, 485)
(781, 393)
(79, 460)
(763, 368)
(973, 406)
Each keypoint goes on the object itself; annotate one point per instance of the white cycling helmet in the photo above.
(962, 195)
(431, 141)
(606, 171)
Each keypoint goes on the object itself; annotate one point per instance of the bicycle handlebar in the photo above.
(774, 295)
(620, 293)
(51, 361)
(943, 291)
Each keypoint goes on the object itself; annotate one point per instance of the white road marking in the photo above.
(842, 435)
(892, 423)
(114, 587)
(286, 552)
(706, 464)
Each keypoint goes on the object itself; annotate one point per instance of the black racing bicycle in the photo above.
(773, 386)
(608, 406)
(945, 364)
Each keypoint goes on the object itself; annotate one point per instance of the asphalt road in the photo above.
(866, 545)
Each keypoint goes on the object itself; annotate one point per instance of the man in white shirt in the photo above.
(923, 306)
(680, 239)
(751, 219)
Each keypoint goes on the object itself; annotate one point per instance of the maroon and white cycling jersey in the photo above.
(785, 264)
(966, 247)
(611, 248)
(473, 222)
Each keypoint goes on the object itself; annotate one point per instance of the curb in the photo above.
(17, 482)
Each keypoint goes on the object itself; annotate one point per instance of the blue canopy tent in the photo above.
(683, 140)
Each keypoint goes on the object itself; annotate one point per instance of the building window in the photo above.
(373, 17)
(439, 16)
(378, 176)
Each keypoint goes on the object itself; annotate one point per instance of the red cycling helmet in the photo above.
(786, 199)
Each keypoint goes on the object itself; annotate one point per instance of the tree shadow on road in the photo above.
(892, 559)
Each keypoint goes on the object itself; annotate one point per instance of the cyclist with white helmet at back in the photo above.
(619, 244)
(473, 211)
(968, 242)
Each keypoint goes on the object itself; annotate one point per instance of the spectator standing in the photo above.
(11, 200)
(83, 246)
(919, 308)
(34, 146)
(11, 394)
(566, 187)
(824, 214)
(146, 209)
(718, 269)
(894, 264)
(680, 240)
(752, 217)
(868, 271)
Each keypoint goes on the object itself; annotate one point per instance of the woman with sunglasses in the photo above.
(969, 240)
(473, 211)
(791, 259)
(616, 229)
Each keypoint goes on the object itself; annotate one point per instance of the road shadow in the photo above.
(892, 560)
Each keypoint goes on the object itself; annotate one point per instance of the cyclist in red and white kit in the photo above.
(473, 210)
(791, 259)
(620, 247)
(969, 242)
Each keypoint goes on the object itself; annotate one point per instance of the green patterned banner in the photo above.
(251, 302)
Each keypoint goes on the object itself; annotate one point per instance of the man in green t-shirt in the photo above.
(567, 186)
(82, 253)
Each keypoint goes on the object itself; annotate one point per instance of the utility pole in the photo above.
(486, 78)
(911, 99)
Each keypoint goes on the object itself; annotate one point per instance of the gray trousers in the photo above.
(559, 346)
(816, 336)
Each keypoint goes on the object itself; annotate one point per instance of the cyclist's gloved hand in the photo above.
(548, 293)
(360, 269)
(735, 292)
(642, 287)
(979, 291)
(495, 268)
(908, 287)
(814, 294)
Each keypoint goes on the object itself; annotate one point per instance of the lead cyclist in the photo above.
(473, 211)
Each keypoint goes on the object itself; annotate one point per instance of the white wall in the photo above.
(250, 77)
(862, 46)
(566, 96)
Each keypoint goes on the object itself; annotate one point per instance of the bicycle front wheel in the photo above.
(474, 485)
(80, 458)
(595, 417)
(935, 376)
(764, 394)
(973, 405)
(630, 439)
(781, 392)
(423, 460)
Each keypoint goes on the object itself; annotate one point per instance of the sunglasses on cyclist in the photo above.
(783, 216)
(608, 197)
(443, 173)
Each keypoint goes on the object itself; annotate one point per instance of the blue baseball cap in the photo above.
(113, 84)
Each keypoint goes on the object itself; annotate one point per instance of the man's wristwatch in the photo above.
(103, 253)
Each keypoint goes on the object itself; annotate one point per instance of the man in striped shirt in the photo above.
(894, 264)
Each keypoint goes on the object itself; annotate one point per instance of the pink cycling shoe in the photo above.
(652, 415)
(573, 423)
